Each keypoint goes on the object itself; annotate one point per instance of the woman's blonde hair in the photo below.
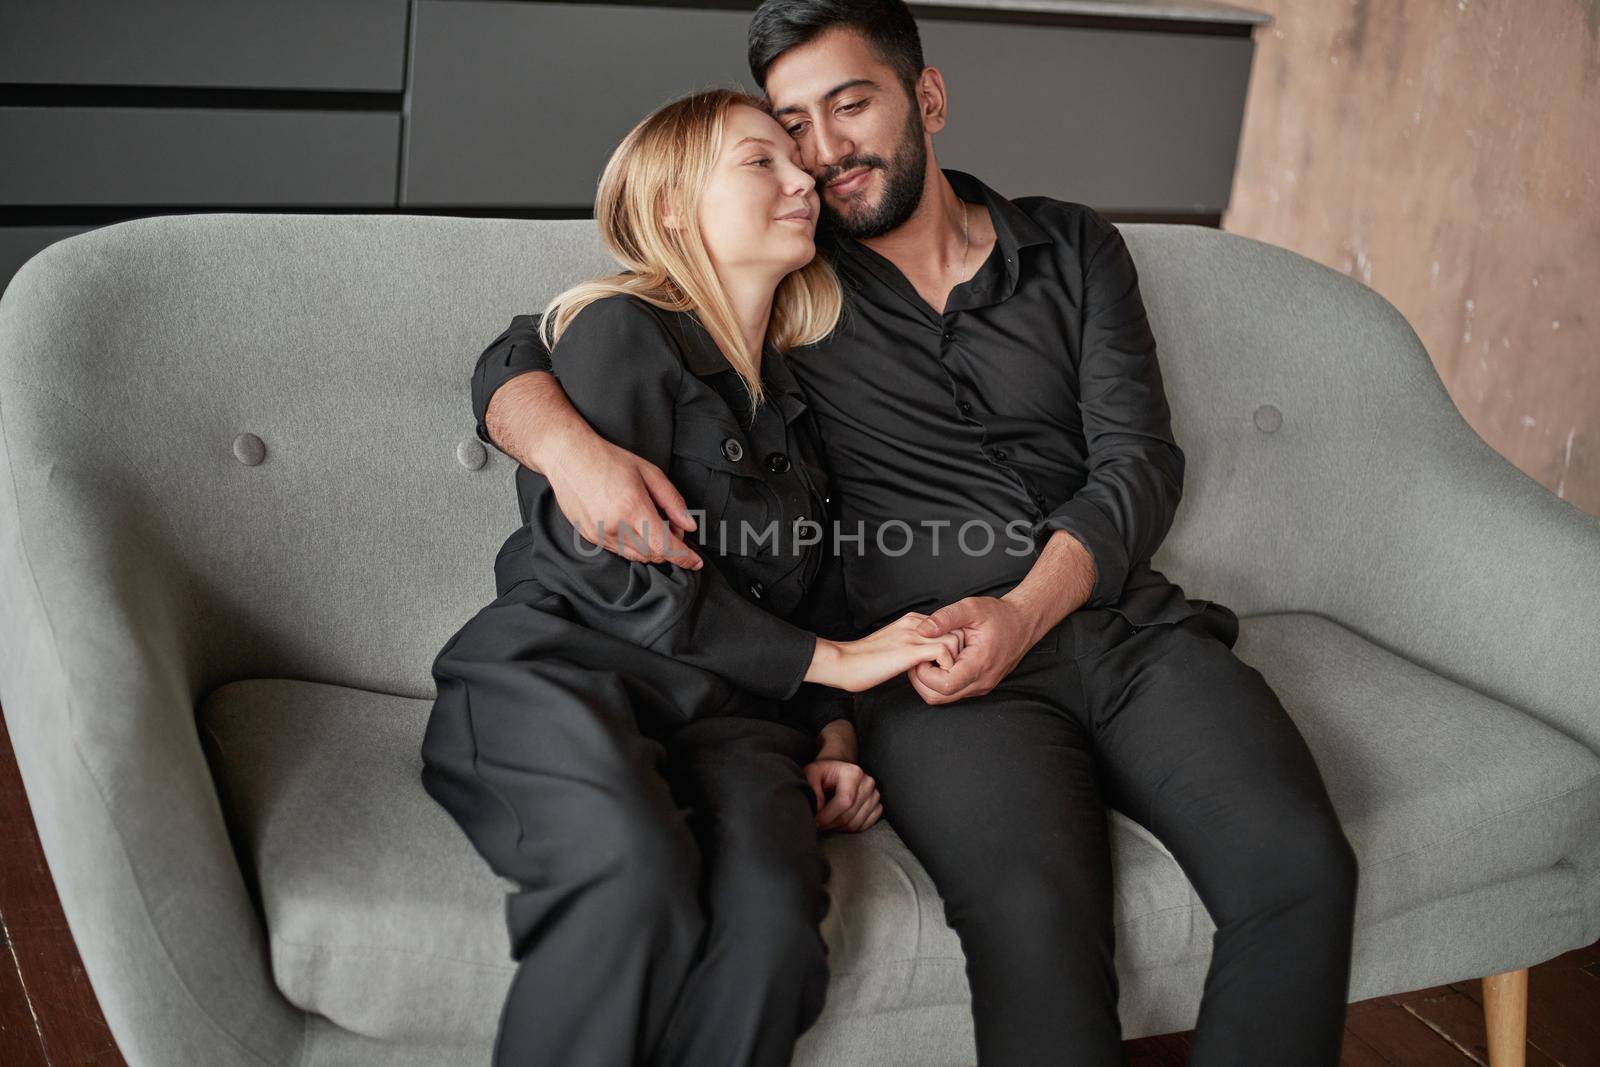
(663, 166)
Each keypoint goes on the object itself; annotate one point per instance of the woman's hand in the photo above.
(847, 796)
(856, 666)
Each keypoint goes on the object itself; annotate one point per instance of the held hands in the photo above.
(996, 634)
(856, 666)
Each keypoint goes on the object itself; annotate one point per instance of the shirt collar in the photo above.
(704, 359)
(1012, 226)
(1014, 229)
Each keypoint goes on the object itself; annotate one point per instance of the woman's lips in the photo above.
(850, 184)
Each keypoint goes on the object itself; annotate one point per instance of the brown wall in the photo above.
(1447, 154)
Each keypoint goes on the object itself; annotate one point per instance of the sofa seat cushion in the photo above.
(383, 918)
(1440, 789)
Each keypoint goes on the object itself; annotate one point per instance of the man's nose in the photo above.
(831, 147)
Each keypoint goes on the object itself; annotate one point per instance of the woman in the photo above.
(597, 700)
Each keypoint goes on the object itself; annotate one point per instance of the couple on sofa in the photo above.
(838, 502)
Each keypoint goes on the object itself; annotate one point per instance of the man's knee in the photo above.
(1054, 904)
(1303, 860)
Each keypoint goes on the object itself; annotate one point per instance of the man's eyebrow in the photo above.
(829, 95)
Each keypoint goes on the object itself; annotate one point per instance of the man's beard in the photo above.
(903, 179)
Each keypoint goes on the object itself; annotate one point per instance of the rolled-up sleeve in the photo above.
(1135, 477)
(621, 371)
(517, 350)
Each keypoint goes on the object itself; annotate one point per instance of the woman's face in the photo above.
(759, 209)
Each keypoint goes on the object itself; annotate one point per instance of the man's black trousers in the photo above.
(1002, 797)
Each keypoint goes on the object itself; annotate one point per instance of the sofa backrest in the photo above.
(132, 357)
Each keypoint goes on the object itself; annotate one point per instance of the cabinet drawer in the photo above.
(70, 155)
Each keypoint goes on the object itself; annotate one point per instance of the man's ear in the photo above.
(931, 100)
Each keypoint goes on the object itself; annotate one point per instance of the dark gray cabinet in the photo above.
(519, 105)
(1127, 121)
(110, 110)
(347, 45)
(181, 156)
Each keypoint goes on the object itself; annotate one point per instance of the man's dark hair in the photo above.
(779, 25)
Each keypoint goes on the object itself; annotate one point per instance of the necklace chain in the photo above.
(966, 240)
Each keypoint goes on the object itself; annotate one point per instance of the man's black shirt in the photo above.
(959, 441)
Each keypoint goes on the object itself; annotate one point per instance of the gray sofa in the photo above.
(216, 646)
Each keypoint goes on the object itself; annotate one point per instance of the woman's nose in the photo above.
(798, 181)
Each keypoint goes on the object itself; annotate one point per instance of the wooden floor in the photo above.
(1443, 1026)
(49, 1016)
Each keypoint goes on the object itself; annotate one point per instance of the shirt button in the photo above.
(733, 449)
(964, 407)
(757, 590)
(1000, 454)
(777, 463)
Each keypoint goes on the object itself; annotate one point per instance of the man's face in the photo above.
(860, 135)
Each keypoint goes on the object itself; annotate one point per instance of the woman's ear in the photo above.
(671, 217)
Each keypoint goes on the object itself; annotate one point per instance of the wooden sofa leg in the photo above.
(1505, 1016)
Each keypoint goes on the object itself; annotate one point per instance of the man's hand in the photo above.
(847, 796)
(617, 501)
(614, 499)
(996, 634)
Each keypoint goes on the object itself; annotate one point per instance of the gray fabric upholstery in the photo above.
(194, 645)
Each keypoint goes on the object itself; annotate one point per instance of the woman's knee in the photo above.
(775, 948)
(643, 853)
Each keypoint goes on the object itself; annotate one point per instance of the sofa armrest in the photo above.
(1486, 576)
(1331, 472)
(1446, 553)
(99, 687)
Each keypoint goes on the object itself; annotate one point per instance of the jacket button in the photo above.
(777, 463)
(757, 590)
(733, 449)
(964, 407)
(1000, 454)
(949, 335)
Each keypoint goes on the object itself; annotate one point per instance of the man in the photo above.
(996, 367)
